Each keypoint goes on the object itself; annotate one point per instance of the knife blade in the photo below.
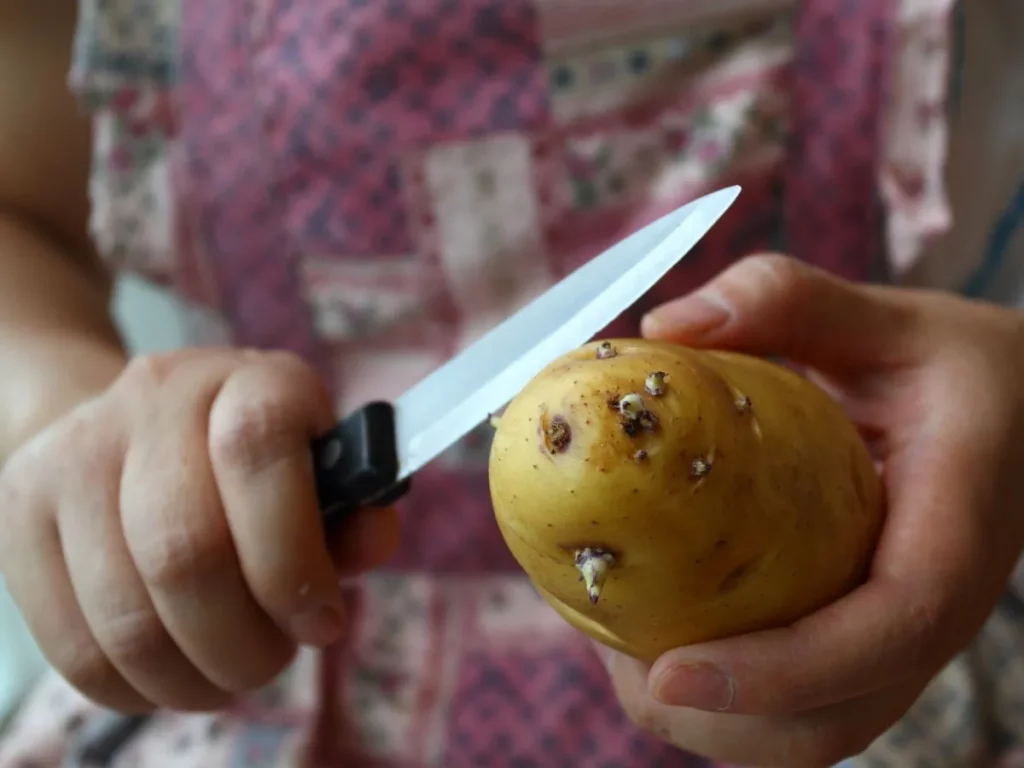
(371, 454)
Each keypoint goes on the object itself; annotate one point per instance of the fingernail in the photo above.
(320, 626)
(691, 316)
(699, 686)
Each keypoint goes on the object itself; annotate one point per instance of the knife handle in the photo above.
(355, 464)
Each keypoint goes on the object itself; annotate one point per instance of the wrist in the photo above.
(54, 373)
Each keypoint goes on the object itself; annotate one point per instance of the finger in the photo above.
(180, 541)
(913, 613)
(859, 644)
(778, 306)
(939, 566)
(40, 586)
(364, 541)
(821, 737)
(114, 599)
(37, 580)
(261, 426)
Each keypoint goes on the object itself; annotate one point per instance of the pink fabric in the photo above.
(832, 210)
(373, 184)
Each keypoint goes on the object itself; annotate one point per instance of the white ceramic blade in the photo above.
(485, 376)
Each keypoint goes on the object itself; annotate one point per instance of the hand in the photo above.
(933, 382)
(163, 540)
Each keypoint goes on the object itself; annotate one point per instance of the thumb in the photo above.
(775, 305)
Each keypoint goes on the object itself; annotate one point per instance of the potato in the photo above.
(659, 496)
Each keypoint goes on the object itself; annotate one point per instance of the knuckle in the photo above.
(147, 372)
(289, 363)
(86, 449)
(765, 278)
(173, 559)
(784, 273)
(251, 433)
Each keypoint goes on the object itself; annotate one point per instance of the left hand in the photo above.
(932, 381)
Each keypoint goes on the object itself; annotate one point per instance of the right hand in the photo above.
(163, 540)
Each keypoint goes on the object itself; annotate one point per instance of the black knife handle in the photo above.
(356, 463)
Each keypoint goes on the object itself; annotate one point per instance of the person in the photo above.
(344, 193)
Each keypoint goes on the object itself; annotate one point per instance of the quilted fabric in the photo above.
(375, 183)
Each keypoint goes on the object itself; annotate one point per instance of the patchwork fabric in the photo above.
(233, 201)
(396, 76)
(838, 139)
(373, 184)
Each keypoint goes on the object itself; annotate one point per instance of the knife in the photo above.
(369, 457)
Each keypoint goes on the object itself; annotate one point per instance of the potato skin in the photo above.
(754, 502)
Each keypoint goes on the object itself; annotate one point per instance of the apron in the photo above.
(373, 184)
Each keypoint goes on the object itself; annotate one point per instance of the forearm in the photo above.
(58, 343)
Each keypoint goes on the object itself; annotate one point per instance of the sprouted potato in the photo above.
(658, 495)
